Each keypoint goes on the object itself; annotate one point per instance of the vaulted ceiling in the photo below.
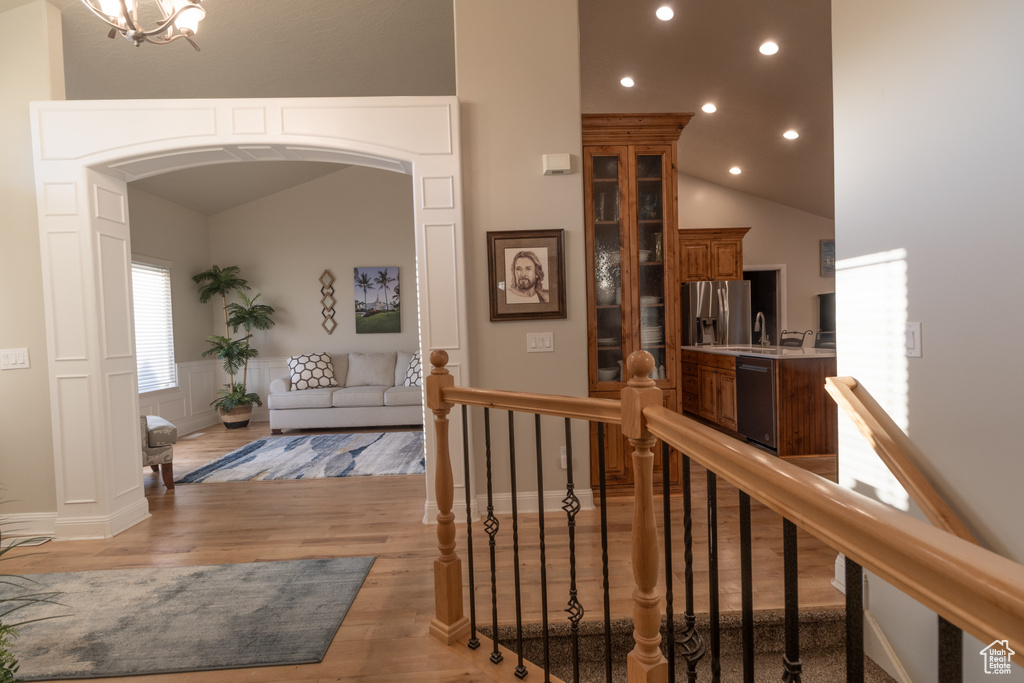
(356, 48)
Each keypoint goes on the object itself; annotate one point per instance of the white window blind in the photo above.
(154, 327)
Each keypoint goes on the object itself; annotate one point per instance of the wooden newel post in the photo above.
(449, 623)
(646, 663)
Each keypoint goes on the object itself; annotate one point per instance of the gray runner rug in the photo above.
(130, 622)
(317, 456)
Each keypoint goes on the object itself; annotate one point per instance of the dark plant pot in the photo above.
(236, 417)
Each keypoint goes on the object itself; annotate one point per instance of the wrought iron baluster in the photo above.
(520, 671)
(474, 642)
(854, 579)
(951, 653)
(543, 561)
(792, 666)
(667, 514)
(603, 484)
(716, 635)
(571, 506)
(746, 589)
(491, 526)
(691, 643)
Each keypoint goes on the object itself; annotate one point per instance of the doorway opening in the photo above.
(767, 296)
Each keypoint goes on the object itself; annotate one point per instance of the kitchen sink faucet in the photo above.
(759, 326)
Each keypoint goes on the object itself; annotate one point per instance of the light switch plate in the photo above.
(14, 359)
(540, 342)
(913, 340)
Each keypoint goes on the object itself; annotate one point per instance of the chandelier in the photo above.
(174, 19)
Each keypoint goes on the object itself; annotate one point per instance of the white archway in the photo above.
(85, 153)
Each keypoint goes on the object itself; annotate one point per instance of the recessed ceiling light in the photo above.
(665, 13)
(791, 135)
(627, 82)
(769, 48)
(709, 108)
(735, 170)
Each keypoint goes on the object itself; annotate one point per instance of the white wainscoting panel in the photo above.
(68, 309)
(188, 404)
(115, 298)
(111, 126)
(75, 400)
(124, 426)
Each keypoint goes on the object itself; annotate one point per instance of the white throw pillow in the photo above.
(371, 369)
(311, 371)
(414, 375)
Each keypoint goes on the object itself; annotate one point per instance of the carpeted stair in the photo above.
(822, 648)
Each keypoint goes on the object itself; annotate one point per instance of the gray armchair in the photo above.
(158, 439)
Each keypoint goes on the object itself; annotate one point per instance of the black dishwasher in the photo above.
(755, 399)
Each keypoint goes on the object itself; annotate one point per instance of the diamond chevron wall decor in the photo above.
(327, 301)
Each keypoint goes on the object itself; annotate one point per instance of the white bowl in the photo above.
(645, 255)
(607, 374)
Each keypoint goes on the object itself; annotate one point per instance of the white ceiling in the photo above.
(358, 48)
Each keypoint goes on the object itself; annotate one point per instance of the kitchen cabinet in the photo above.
(805, 419)
(688, 381)
(716, 389)
(711, 254)
(629, 181)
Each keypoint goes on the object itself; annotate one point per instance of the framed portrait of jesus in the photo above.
(526, 274)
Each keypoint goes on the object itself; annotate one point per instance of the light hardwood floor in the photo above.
(384, 636)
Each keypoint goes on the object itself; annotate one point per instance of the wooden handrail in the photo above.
(897, 451)
(592, 409)
(973, 588)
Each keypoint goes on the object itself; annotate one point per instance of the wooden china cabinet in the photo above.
(629, 167)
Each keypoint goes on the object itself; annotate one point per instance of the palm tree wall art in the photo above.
(378, 310)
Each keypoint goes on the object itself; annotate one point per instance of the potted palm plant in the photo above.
(234, 403)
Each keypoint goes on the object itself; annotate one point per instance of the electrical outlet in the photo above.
(565, 462)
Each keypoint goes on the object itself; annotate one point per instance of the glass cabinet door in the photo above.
(607, 171)
(652, 323)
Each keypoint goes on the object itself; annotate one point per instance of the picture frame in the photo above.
(379, 310)
(538, 256)
(827, 251)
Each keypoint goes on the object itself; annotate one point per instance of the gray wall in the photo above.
(30, 69)
(283, 242)
(935, 195)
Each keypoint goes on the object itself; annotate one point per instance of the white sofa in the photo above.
(370, 392)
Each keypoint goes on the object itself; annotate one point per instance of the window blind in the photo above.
(154, 327)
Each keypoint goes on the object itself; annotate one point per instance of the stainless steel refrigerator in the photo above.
(716, 312)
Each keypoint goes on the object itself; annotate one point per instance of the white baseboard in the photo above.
(526, 502)
(876, 645)
(28, 524)
(101, 526)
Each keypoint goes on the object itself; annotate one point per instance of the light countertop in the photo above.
(758, 351)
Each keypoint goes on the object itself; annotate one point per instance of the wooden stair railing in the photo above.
(897, 451)
(975, 589)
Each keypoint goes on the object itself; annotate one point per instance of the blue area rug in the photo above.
(317, 456)
(130, 622)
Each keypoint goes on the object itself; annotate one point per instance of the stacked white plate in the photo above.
(607, 341)
(652, 335)
(650, 300)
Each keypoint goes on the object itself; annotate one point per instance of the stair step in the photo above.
(822, 647)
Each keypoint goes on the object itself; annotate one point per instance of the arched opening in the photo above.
(86, 152)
